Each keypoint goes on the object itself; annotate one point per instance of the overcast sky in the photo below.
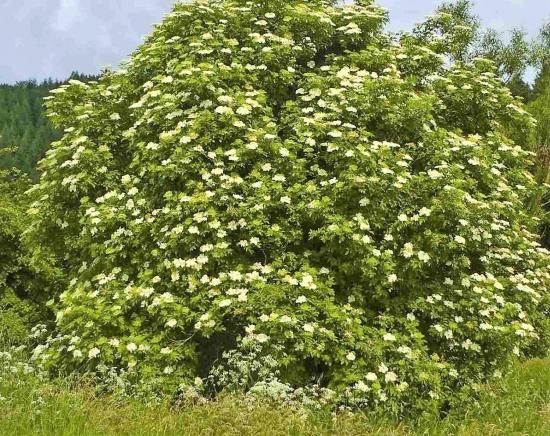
(51, 38)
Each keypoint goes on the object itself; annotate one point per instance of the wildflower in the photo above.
(262, 338)
(243, 110)
(434, 174)
(424, 257)
(301, 299)
(408, 250)
(308, 328)
(307, 282)
(366, 239)
(225, 303)
(371, 376)
(402, 386)
(235, 276)
(131, 347)
(424, 212)
(284, 152)
(390, 377)
(223, 110)
(403, 349)
(94, 352)
(361, 386)
(350, 356)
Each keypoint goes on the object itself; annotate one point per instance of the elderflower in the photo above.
(224, 303)
(390, 377)
(308, 328)
(371, 376)
(459, 239)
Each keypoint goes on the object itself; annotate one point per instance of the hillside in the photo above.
(25, 132)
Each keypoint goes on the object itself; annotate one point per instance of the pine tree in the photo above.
(23, 126)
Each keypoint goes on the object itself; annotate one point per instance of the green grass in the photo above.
(517, 405)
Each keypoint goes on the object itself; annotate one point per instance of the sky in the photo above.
(52, 38)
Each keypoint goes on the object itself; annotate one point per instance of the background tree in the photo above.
(453, 30)
(511, 57)
(539, 108)
(23, 126)
(23, 290)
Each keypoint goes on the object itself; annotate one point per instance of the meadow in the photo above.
(518, 404)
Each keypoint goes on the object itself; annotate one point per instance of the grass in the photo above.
(517, 405)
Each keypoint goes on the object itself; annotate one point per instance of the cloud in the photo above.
(51, 38)
(66, 15)
(40, 39)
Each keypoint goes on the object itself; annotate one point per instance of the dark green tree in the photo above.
(24, 129)
(23, 289)
(23, 126)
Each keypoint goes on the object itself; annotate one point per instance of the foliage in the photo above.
(455, 31)
(512, 58)
(285, 174)
(541, 111)
(20, 284)
(542, 48)
(540, 108)
(517, 404)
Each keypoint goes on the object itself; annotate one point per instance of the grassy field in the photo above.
(517, 405)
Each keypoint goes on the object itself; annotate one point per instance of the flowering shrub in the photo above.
(283, 176)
